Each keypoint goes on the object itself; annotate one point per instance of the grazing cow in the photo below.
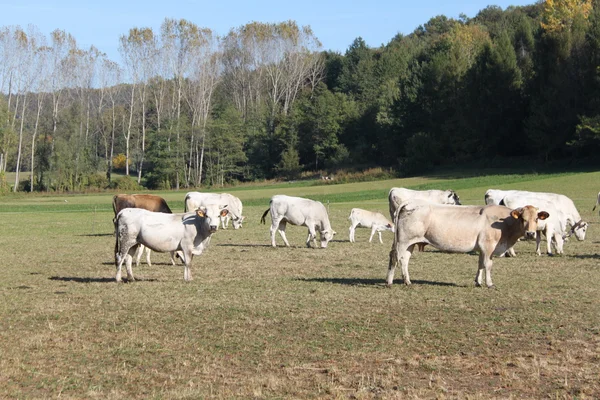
(193, 200)
(570, 216)
(302, 212)
(368, 219)
(398, 196)
(148, 202)
(490, 230)
(597, 202)
(187, 234)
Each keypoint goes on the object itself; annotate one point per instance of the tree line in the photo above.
(187, 107)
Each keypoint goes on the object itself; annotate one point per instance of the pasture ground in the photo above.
(259, 322)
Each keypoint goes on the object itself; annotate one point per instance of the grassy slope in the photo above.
(297, 322)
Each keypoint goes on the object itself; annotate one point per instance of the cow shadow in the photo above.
(79, 279)
(372, 282)
(98, 234)
(584, 256)
(242, 245)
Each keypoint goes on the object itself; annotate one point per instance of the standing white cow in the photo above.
(398, 196)
(369, 219)
(490, 230)
(302, 212)
(188, 234)
(553, 227)
(193, 200)
(570, 216)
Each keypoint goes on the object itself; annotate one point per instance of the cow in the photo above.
(397, 196)
(148, 202)
(490, 230)
(553, 227)
(597, 202)
(186, 234)
(302, 212)
(368, 219)
(193, 200)
(570, 215)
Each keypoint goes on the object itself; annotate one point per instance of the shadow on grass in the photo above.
(584, 256)
(79, 279)
(372, 282)
(98, 234)
(242, 245)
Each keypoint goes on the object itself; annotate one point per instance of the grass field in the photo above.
(259, 322)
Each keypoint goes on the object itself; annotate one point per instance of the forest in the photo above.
(188, 108)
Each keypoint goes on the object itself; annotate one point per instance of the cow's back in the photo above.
(148, 202)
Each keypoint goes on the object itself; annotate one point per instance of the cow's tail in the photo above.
(262, 219)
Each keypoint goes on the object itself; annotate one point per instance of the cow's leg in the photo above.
(352, 231)
(379, 234)
(485, 262)
(273, 230)
(187, 271)
(281, 230)
(125, 249)
(373, 230)
(402, 253)
(312, 234)
(173, 258)
(558, 243)
(138, 255)
(538, 241)
(148, 252)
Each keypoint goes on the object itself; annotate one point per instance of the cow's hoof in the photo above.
(492, 287)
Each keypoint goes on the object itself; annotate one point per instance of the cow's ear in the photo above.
(516, 213)
(224, 212)
(201, 212)
(543, 215)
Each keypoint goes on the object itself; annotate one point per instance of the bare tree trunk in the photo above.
(128, 135)
(33, 139)
(19, 148)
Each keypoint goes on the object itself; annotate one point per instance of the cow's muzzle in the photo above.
(213, 228)
(530, 235)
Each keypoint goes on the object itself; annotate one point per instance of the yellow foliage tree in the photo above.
(559, 15)
(119, 161)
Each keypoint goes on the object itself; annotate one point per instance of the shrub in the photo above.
(125, 183)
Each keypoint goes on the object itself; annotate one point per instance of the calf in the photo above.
(368, 219)
(188, 234)
(302, 212)
(490, 230)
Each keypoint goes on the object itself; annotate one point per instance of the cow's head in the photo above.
(579, 229)
(453, 198)
(326, 236)
(237, 222)
(528, 216)
(211, 214)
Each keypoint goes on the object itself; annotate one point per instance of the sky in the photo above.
(335, 23)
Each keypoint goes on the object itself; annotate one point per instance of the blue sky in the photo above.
(336, 23)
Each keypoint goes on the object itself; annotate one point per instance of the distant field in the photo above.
(259, 322)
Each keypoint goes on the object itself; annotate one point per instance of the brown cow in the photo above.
(490, 230)
(148, 202)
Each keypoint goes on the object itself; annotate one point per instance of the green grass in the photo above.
(259, 322)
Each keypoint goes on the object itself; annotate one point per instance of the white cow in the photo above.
(553, 227)
(597, 202)
(398, 196)
(490, 230)
(188, 234)
(368, 219)
(302, 212)
(562, 203)
(193, 200)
